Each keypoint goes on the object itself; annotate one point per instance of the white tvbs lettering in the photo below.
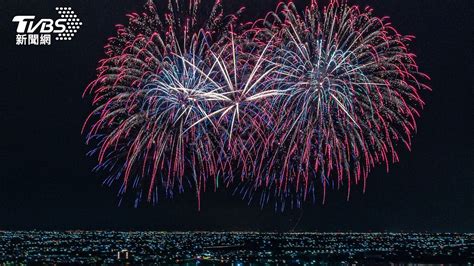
(27, 24)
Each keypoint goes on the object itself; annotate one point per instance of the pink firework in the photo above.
(349, 94)
(278, 109)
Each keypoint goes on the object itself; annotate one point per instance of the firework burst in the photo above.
(152, 97)
(282, 108)
(350, 93)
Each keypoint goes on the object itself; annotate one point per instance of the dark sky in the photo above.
(46, 180)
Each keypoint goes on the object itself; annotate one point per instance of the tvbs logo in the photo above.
(33, 31)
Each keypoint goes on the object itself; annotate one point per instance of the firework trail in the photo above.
(280, 109)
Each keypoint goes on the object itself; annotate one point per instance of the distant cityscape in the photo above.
(237, 248)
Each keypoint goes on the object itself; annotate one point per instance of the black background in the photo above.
(46, 180)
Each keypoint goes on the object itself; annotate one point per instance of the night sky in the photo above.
(46, 180)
